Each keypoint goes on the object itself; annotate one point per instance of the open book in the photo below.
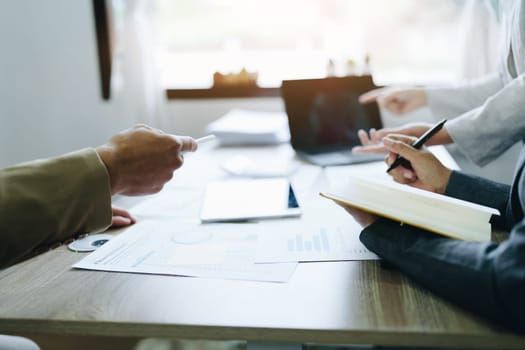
(434, 212)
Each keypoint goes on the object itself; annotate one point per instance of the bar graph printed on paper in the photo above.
(319, 243)
(311, 243)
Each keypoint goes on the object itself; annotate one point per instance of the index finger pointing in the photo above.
(371, 96)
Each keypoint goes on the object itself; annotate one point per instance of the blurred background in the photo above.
(169, 59)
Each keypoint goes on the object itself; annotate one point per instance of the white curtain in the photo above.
(136, 75)
(481, 34)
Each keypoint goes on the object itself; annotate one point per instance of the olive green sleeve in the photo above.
(47, 201)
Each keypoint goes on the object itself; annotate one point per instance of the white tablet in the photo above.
(249, 199)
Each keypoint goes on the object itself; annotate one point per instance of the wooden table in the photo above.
(338, 302)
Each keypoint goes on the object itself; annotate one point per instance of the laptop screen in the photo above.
(325, 114)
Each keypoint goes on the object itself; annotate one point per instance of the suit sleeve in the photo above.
(48, 201)
(484, 192)
(485, 278)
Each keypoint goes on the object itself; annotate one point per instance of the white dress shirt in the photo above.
(489, 113)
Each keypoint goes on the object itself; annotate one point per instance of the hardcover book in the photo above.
(434, 212)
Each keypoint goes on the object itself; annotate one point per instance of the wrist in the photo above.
(106, 154)
(421, 96)
(444, 137)
(446, 173)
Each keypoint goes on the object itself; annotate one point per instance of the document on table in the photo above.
(187, 249)
(311, 242)
(172, 202)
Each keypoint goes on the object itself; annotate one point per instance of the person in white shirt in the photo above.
(481, 110)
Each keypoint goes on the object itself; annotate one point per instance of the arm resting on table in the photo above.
(47, 201)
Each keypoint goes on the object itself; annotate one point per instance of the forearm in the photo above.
(470, 274)
(481, 191)
(450, 102)
(48, 201)
(487, 131)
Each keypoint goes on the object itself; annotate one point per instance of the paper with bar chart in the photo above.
(173, 247)
(303, 243)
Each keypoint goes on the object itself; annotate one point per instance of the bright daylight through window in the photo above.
(399, 40)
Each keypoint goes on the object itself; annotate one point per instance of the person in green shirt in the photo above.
(45, 202)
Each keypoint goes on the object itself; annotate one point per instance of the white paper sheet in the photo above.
(188, 249)
(250, 127)
(309, 241)
(175, 202)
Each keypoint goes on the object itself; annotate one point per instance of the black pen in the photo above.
(417, 145)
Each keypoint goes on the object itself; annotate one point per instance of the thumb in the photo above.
(188, 144)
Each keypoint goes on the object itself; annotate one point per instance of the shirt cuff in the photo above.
(98, 182)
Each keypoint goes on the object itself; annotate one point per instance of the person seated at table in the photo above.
(45, 202)
(485, 278)
(481, 110)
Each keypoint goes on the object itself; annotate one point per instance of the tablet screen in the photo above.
(249, 199)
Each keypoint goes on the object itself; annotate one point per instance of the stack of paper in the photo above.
(246, 127)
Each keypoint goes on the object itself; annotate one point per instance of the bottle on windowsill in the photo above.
(350, 67)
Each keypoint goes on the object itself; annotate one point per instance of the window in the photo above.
(399, 41)
(104, 32)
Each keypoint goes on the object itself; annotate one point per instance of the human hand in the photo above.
(373, 143)
(427, 172)
(142, 159)
(362, 217)
(396, 100)
(121, 218)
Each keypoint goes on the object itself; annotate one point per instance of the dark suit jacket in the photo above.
(486, 278)
(47, 201)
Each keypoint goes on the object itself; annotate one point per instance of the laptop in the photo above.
(324, 116)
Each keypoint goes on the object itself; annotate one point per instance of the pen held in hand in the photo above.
(417, 145)
(205, 139)
(202, 140)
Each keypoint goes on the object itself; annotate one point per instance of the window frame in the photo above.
(105, 48)
(105, 44)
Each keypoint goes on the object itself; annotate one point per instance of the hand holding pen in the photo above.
(417, 145)
(425, 171)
